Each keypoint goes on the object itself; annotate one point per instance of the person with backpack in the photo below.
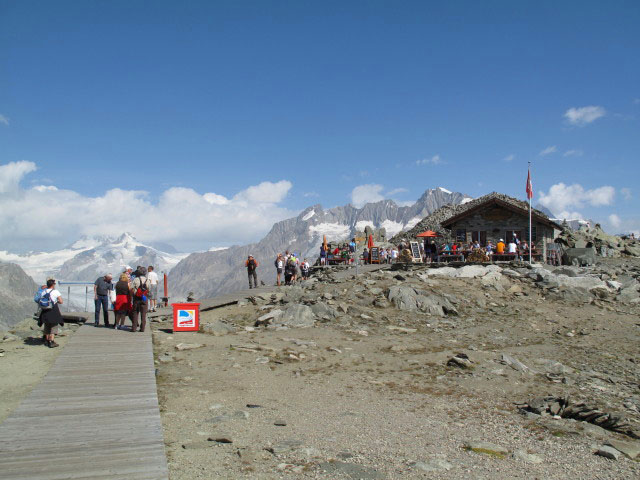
(252, 265)
(50, 315)
(304, 268)
(140, 294)
(122, 308)
(279, 264)
(101, 289)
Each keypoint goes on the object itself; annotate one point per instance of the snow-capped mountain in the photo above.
(89, 257)
(214, 272)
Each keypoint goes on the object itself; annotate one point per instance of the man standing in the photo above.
(153, 291)
(252, 265)
(139, 294)
(101, 289)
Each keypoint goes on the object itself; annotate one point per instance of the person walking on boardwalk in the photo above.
(101, 289)
(153, 292)
(252, 266)
(50, 315)
(123, 305)
(139, 293)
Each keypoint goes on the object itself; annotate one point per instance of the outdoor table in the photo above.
(450, 257)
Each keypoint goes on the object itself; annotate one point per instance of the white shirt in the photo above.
(394, 253)
(512, 247)
(55, 294)
(153, 278)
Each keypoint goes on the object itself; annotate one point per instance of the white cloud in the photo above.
(583, 115)
(626, 193)
(4, 120)
(435, 160)
(181, 216)
(566, 215)
(614, 220)
(561, 197)
(310, 195)
(363, 194)
(509, 158)
(549, 150)
(572, 153)
(12, 173)
(396, 191)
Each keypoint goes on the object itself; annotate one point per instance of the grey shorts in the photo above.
(153, 292)
(50, 329)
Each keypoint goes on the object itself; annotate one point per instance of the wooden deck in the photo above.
(94, 415)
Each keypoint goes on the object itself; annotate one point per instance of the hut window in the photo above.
(461, 235)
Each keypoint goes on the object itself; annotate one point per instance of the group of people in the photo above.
(287, 264)
(133, 296)
(513, 247)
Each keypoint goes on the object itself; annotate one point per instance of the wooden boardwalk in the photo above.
(94, 415)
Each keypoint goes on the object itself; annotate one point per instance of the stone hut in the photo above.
(497, 216)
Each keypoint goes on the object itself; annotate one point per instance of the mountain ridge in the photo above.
(208, 274)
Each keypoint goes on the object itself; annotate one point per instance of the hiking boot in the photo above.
(96, 324)
(53, 344)
(46, 343)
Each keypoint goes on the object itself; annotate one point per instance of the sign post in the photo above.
(415, 252)
(186, 317)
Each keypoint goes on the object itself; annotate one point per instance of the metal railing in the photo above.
(88, 290)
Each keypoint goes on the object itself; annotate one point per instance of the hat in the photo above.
(501, 240)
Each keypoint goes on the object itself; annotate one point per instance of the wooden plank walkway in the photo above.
(94, 416)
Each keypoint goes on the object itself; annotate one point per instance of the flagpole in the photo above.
(530, 244)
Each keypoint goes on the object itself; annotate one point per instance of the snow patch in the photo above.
(466, 200)
(309, 215)
(362, 224)
(217, 249)
(412, 223)
(391, 227)
(442, 189)
(333, 231)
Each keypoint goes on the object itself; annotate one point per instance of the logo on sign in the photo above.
(186, 318)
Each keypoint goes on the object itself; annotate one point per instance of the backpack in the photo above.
(142, 290)
(36, 297)
(45, 300)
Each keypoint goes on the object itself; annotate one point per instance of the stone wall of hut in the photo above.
(496, 222)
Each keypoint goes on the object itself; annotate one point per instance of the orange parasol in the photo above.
(428, 233)
(370, 242)
(325, 247)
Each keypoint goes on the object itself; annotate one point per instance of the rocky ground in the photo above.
(24, 361)
(473, 372)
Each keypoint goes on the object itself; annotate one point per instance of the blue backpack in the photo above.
(45, 301)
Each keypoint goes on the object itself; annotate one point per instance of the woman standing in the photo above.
(51, 317)
(123, 301)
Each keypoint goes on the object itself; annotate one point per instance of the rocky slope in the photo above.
(500, 371)
(211, 273)
(16, 295)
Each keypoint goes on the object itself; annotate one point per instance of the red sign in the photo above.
(186, 317)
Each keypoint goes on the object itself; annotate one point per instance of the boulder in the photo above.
(412, 300)
(579, 256)
(297, 315)
(217, 328)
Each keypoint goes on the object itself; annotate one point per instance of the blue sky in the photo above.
(305, 101)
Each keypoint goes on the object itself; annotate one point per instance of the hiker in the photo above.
(153, 291)
(500, 247)
(252, 265)
(128, 272)
(305, 267)
(352, 246)
(289, 271)
(365, 255)
(323, 255)
(50, 315)
(279, 264)
(101, 289)
(123, 306)
(139, 292)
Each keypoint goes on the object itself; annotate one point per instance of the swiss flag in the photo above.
(529, 185)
